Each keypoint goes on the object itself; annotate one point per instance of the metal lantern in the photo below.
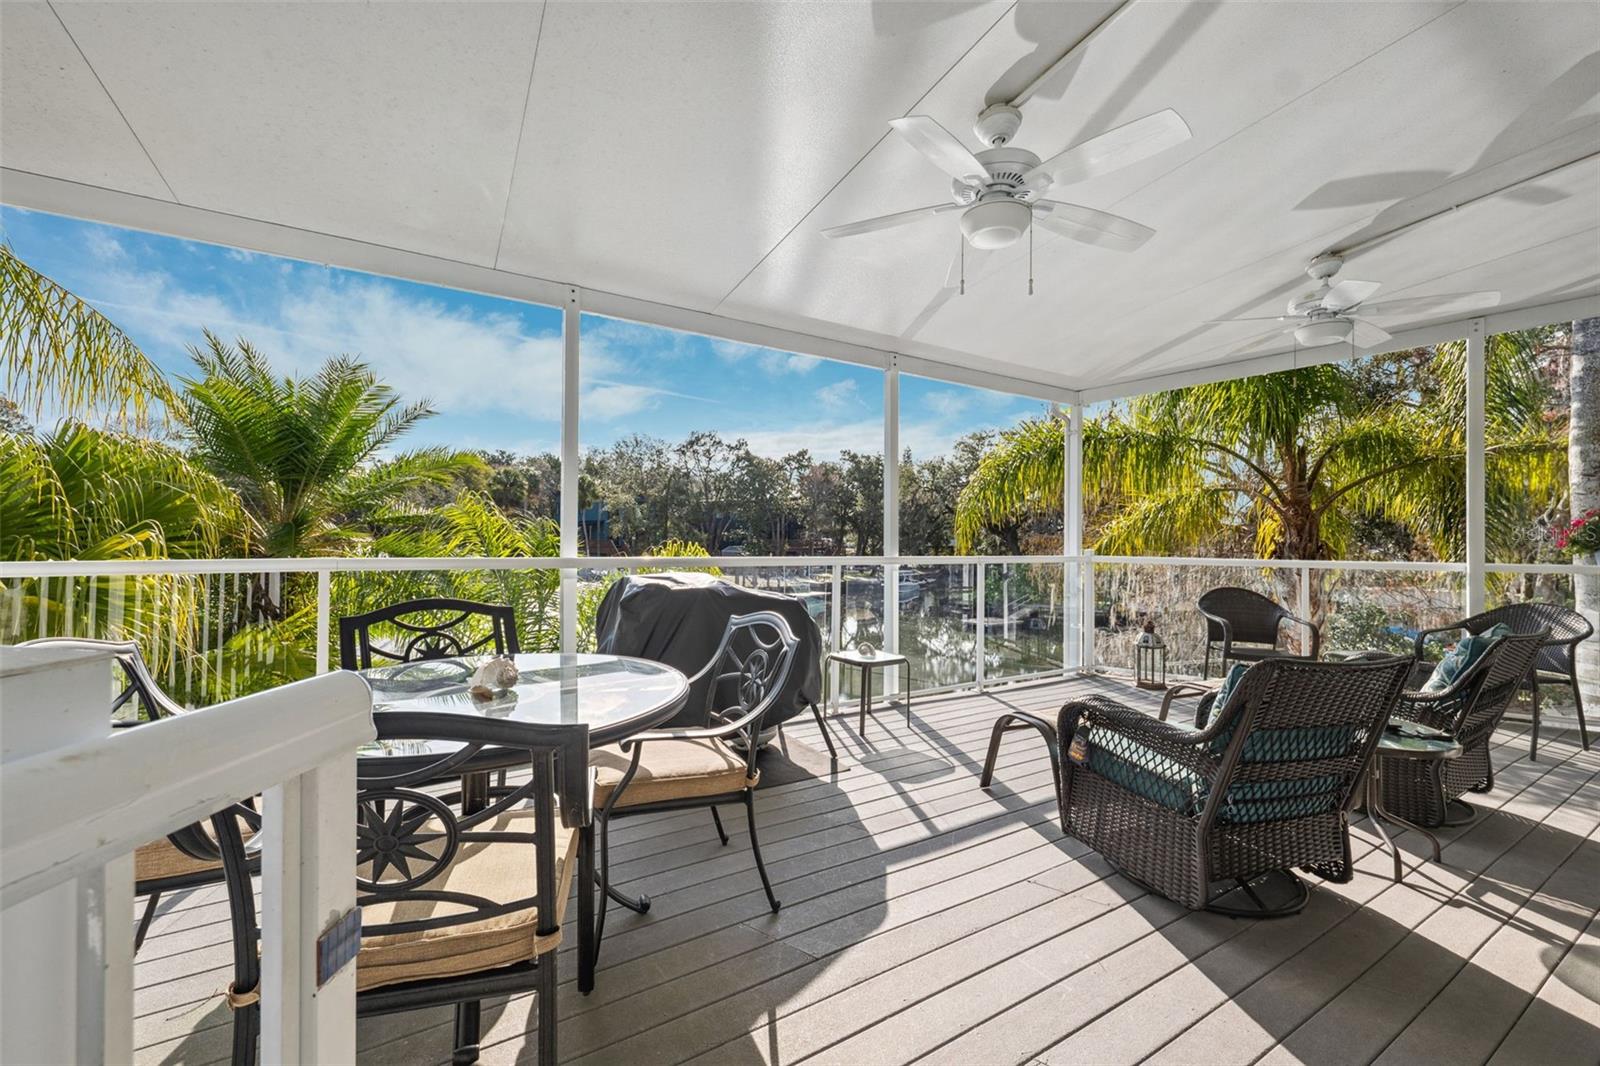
(1150, 659)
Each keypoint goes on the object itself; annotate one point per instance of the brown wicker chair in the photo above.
(1248, 628)
(1469, 710)
(1557, 662)
(1218, 818)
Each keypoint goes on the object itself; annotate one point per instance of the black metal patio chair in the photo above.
(457, 905)
(436, 628)
(195, 855)
(1557, 661)
(1247, 627)
(1219, 818)
(709, 766)
(1469, 711)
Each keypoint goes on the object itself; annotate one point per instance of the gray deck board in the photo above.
(928, 920)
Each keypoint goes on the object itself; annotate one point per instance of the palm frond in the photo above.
(64, 357)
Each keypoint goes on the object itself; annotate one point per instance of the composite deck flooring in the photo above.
(926, 920)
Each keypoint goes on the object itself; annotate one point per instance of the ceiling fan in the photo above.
(1338, 311)
(1000, 190)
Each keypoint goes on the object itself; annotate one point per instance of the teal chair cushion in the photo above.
(1459, 659)
(1158, 778)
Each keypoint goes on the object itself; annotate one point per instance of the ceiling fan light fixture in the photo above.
(1323, 331)
(995, 223)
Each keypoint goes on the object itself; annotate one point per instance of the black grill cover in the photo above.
(679, 619)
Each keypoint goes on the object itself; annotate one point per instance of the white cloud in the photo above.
(104, 247)
(463, 361)
(787, 363)
(843, 393)
(947, 403)
(823, 441)
(769, 359)
(618, 401)
(240, 255)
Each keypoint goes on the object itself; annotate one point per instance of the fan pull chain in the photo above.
(963, 267)
(1030, 260)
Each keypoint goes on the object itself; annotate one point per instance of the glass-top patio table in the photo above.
(615, 696)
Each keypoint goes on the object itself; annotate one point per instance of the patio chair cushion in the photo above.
(670, 770)
(1229, 682)
(501, 871)
(1156, 777)
(1468, 650)
(161, 859)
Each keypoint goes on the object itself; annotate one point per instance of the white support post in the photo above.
(836, 628)
(1477, 517)
(1071, 525)
(305, 888)
(1304, 591)
(891, 516)
(571, 509)
(1086, 623)
(980, 622)
(324, 610)
(105, 962)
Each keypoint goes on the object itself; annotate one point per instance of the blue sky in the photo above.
(492, 367)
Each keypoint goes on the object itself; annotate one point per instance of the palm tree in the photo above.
(1289, 462)
(85, 493)
(1584, 472)
(307, 456)
(63, 356)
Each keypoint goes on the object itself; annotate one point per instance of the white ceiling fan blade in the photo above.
(899, 218)
(1224, 321)
(1418, 306)
(1114, 149)
(1263, 340)
(1343, 294)
(1367, 335)
(941, 147)
(974, 260)
(1100, 228)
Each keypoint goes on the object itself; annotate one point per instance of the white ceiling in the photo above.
(691, 153)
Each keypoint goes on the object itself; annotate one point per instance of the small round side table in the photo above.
(1413, 742)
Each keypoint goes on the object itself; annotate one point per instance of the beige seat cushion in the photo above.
(161, 859)
(502, 871)
(670, 769)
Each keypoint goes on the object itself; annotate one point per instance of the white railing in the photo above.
(901, 602)
(76, 799)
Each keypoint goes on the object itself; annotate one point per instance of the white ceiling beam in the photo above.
(39, 192)
(1457, 329)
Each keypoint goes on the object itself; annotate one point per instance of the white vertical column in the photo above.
(891, 513)
(836, 629)
(1477, 518)
(571, 319)
(324, 610)
(1071, 531)
(307, 885)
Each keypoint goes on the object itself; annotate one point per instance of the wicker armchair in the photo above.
(1557, 662)
(1469, 710)
(1248, 628)
(1217, 818)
